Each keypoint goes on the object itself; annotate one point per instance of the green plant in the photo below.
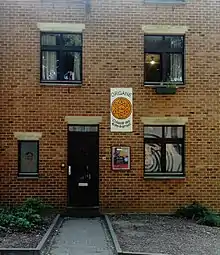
(200, 214)
(24, 217)
(35, 218)
(22, 223)
(193, 211)
(211, 219)
(35, 203)
(5, 219)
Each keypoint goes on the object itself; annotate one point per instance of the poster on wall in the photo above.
(121, 109)
(120, 158)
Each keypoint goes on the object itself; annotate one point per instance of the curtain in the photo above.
(77, 66)
(176, 61)
(49, 59)
(176, 67)
(77, 59)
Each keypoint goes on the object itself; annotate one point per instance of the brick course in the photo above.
(112, 57)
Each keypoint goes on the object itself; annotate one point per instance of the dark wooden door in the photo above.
(83, 165)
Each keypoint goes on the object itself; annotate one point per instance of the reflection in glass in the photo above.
(153, 42)
(152, 132)
(72, 39)
(174, 158)
(50, 39)
(174, 132)
(152, 68)
(72, 66)
(50, 65)
(152, 158)
(28, 157)
(174, 42)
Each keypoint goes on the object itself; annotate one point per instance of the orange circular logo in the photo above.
(121, 108)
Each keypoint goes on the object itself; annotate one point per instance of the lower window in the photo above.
(28, 158)
(164, 150)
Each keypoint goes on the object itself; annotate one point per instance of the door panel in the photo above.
(83, 172)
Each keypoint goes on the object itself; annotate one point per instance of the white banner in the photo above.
(121, 109)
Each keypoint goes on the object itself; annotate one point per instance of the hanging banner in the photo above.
(121, 110)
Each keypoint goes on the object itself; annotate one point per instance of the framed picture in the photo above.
(120, 158)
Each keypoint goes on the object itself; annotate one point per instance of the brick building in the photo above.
(60, 63)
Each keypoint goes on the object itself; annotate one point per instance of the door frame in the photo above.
(69, 204)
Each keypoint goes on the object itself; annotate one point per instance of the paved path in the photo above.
(82, 237)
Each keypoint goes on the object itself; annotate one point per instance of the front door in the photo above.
(83, 165)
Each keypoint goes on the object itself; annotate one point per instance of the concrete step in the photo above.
(81, 212)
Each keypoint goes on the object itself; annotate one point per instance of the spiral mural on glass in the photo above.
(173, 157)
(173, 161)
(152, 158)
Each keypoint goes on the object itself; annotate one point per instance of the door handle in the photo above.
(69, 170)
(88, 176)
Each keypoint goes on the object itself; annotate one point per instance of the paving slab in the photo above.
(82, 236)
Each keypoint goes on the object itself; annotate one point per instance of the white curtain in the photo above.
(49, 59)
(176, 61)
(176, 67)
(77, 66)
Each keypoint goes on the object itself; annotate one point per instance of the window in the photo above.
(61, 57)
(164, 150)
(164, 59)
(28, 157)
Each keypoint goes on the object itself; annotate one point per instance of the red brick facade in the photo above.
(112, 57)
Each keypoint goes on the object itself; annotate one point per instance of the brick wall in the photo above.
(112, 57)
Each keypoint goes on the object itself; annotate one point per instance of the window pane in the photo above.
(174, 132)
(72, 66)
(174, 158)
(152, 158)
(83, 128)
(72, 39)
(152, 132)
(173, 67)
(174, 42)
(153, 43)
(152, 68)
(50, 39)
(176, 67)
(29, 157)
(50, 65)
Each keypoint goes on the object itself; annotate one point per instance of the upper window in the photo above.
(164, 150)
(61, 57)
(164, 59)
(28, 157)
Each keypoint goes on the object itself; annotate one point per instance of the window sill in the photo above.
(28, 176)
(164, 177)
(157, 84)
(61, 84)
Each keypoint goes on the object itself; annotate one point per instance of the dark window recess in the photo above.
(164, 150)
(28, 158)
(164, 59)
(61, 57)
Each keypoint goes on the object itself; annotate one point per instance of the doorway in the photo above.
(83, 165)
